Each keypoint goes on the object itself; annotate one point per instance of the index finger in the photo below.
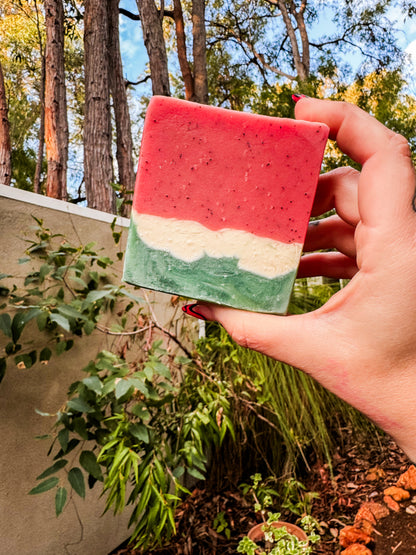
(357, 133)
(387, 182)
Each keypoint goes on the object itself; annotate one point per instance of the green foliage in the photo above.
(262, 493)
(65, 296)
(137, 424)
(284, 421)
(296, 498)
(221, 525)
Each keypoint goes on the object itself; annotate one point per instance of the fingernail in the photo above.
(297, 97)
(191, 310)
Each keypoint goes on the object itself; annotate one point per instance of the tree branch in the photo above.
(133, 16)
(136, 17)
(127, 82)
(232, 35)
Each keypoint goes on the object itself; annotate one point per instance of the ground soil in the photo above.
(359, 474)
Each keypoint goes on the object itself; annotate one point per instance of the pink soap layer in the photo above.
(228, 169)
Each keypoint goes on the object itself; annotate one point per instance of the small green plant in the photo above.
(275, 540)
(296, 498)
(221, 525)
(279, 540)
(261, 492)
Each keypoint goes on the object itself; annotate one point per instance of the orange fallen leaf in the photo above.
(356, 549)
(378, 510)
(364, 513)
(398, 494)
(350, 535)
(408, 479)
(391, 503)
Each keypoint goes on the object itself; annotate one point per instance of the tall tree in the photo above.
(5, 148)
(42, 80)
(124, 141)
(199, 48)
(152, 19)
(56, 122)
(194, 75)
(98, 160)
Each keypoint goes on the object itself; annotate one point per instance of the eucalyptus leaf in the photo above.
(88, 461)
(140, 432)
(60, 320)
(53, 469)
(45, 354)
(6, 324)
(97, 295)
(122, 387)
(18, 324)
(23, 361)
(89, 327)
(60, 500)
(42, 320)
(79, 405)
(63, 438)
(195, 473)
(94, 383)
(70, 312)
(76, 479)
(48, 484)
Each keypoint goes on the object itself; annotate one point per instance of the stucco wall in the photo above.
(28, 525)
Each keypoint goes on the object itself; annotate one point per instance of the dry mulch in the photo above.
(359, 476)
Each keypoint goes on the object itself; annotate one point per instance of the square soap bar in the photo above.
(222, 204)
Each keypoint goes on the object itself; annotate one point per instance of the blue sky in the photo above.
(131, 43)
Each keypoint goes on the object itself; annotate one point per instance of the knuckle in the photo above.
(401, 144)
(243, 336)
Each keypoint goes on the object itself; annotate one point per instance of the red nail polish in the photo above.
(190, 310)
(297, 97)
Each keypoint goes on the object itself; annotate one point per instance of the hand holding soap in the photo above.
(222, 203)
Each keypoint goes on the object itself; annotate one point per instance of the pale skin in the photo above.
(362, 343)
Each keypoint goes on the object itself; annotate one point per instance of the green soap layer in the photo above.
(217, 280)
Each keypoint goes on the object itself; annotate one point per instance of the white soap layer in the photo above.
(189, 241)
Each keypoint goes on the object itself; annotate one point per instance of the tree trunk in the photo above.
(155, 45)
(41, 139)
(126, 172)
(199, 51)
(181, 48)
(41, 133)
(5, 148)
(56, 123)
(300, 59)
(98, 160)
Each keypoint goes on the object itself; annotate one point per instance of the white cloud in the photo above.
(411, 50)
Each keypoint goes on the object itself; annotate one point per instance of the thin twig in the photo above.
(107, 331)
(165, 331)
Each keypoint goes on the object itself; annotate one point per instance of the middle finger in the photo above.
(338, 189)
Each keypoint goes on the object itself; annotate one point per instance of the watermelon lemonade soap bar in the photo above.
(222, 203)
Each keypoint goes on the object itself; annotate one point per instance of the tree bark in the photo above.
(300, 59)
(5, 147)
(124, 154)
(98, 160)
(56, 122)
(155, 45)
(199, 51)
(187, 76)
